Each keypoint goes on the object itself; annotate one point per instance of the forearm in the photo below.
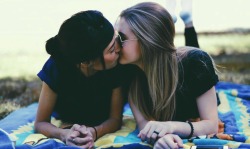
(142, 124)
(109, 126)
(50, 130)
(204, 127)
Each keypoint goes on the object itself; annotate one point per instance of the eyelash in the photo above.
(122, 37)
(113, 49)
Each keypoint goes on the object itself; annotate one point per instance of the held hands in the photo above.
(161, 135)
(80, 136)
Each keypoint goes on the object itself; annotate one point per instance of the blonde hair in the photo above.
(154, 28)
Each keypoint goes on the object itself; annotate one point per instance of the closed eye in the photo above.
(112, 49)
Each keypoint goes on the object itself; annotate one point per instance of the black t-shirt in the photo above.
(196, 76)
(83, 100)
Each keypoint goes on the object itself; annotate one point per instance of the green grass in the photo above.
(224, 43)
(27, 62)
(21, 63)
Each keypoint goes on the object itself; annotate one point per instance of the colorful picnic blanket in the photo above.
(17, 129)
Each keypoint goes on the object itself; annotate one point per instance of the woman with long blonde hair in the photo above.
(172, 85)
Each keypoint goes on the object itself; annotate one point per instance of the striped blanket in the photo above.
(17, 129)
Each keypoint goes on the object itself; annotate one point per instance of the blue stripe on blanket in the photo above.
(234, 111)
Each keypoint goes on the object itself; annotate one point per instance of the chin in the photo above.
(121, 61)
(111, 66)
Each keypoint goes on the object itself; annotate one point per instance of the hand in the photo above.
(154, 130)
(169, 141)
(79, 136)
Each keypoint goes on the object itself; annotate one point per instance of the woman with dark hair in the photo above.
(173, 85)
(79, 87)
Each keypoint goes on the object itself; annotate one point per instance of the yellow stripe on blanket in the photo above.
(31, 137)
(128, 126)
(245, 117)
(224, 106)
(22, 129)
(119, 145)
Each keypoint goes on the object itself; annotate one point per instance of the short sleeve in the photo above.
(202, 73)
(49, 74)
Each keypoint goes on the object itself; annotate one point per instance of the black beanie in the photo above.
(84, 36)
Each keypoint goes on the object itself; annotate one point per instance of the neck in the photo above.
(87, 71)
(140, 65)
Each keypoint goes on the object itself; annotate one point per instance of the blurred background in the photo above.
(223, 28)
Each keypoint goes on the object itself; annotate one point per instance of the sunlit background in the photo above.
(26, 25)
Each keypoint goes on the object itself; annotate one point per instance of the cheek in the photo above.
(110, 58)
(130, 54)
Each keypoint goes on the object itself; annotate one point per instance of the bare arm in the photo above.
(207, 107)
(43, 125)
(114, 122)
(140, 120)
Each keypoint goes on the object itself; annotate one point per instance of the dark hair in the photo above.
(82, 37)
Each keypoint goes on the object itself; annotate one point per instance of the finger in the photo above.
(153, 138)
(156, 146)
(162, 133)
(178, 140)
(143, 133)
(82, 141)
(70, 142)
(74, 134)
(146, 128)
(155, 135)
(161, 144)
(83, 130)
(91, 145)
(151, 135)
(75, 127)
(85, 146)
(170, 141)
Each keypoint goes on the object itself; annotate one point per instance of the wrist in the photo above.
(63, 134)
(171, 126)
(93, 132)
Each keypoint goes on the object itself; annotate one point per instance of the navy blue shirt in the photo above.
(83, 100)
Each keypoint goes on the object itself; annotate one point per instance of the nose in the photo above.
(117, 47)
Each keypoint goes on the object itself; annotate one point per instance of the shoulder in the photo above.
(192, 54)
(195, 59)
(49, 73)
(197, 70)
(49, 64)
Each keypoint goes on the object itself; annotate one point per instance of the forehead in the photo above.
(123, 27)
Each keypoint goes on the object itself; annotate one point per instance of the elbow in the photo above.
(215, 126)
(215, 130)
(36, 128)
(118, 124)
